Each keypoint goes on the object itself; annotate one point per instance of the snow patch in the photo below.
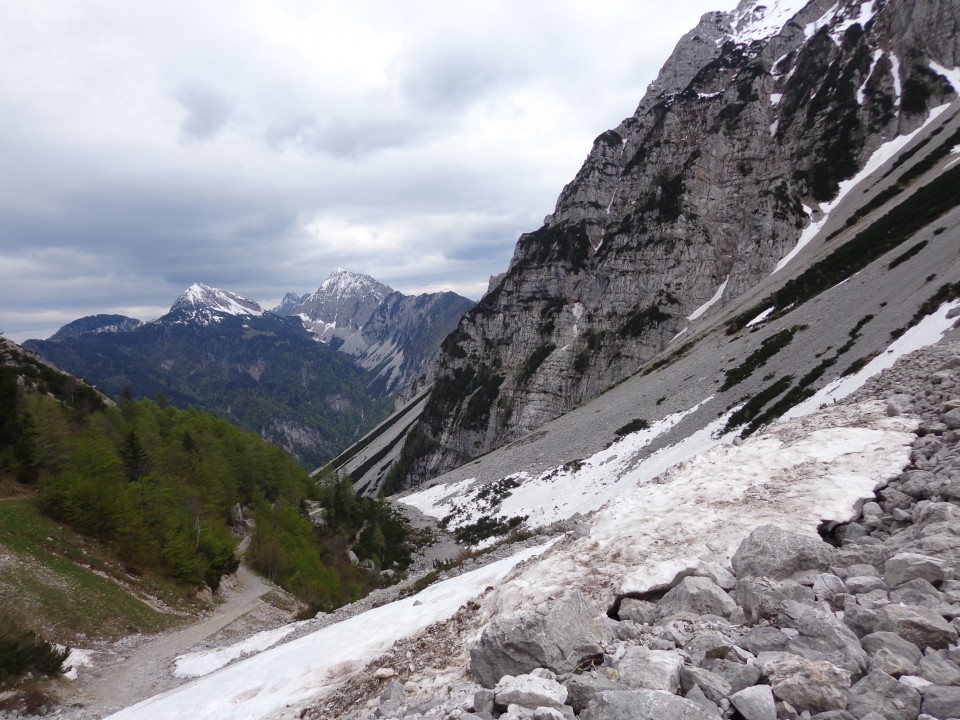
(895, 71)
(75, 660)
(775, 98)
(204, 662)
(760, 318)
(678, 335)
(861, 91)
(951, 74)
(760, 21)
(795, 475)
(306, 667)
(711, 302)
(880, 156)
(578, 486)
(928, 331)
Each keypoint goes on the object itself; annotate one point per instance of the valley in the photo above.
(694, 454)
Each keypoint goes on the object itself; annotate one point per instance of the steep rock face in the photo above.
(393, 335)
(753, 122)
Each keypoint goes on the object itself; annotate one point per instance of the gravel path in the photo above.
(143, 668)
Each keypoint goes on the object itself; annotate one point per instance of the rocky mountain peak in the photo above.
(202, 303)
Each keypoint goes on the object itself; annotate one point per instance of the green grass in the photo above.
(53, 583)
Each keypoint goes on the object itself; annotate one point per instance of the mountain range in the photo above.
(310, 387)
(686, 442)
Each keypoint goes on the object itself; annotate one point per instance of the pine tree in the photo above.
(134, 456)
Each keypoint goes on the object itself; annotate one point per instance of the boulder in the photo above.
(639, 611)
(760, 598)
(894, 644)
(392, 699)
(941, 702)
(582, 688)
(921, 626)
(938, 670)
(878, 692)
(712, 685)
(738, 675)
(763, 638)
(708, 645)
(557, 638)
(862, 584)
(906, 566)
(822, 637)
(770, 551)
(917, 592)
(650, 669)
(699, 595)
(755, 703)
(643, 705)
(529, 691)
(811, 685)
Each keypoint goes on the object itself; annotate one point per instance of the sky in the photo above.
(257, 146)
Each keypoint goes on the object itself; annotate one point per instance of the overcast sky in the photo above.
(256, 146)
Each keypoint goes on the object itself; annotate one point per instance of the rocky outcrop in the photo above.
(392, 335)
(749, 127)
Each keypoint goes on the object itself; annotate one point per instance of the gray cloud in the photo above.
(150, 145)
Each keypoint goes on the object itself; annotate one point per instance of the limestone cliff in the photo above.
(751, 125)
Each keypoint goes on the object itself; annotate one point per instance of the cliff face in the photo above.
(753, 122)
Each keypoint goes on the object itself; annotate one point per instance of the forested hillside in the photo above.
(171, 492)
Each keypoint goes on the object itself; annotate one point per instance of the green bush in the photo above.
(22, 651)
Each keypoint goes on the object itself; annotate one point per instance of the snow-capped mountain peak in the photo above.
(757, 20)
(344, 283)
(207, 304)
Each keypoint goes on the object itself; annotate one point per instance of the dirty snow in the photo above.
(567, 490)
(711, 302)
(928, 331)
(795, 476)
(75, 660)
(951, 74)
(308, 666)
(204, 662)
(881, 155)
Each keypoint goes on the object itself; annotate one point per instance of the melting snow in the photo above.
(711, 302)
(306, 667)
(795, 476)
(928, 331)
(951, 74)
(861, 91)
(205, 662)
(576, 487)
(761, 317)
(881, 155)
(895, 71)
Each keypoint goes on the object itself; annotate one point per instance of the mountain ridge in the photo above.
(736, 150)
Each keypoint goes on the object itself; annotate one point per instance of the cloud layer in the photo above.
(256, 146)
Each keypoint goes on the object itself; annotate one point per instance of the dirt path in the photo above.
(130, 676)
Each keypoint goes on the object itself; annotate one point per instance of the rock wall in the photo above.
(704, 188)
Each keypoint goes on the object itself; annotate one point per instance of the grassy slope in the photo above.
(66, 587)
